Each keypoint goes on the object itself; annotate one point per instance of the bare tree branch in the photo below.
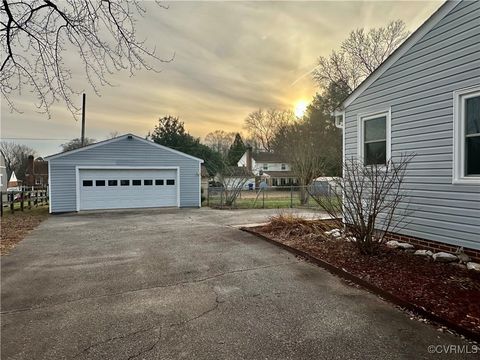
(35, 35)
(359, 55)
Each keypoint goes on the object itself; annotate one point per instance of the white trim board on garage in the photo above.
(133, 203)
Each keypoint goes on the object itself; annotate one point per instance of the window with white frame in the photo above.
(374, 138)
(265, 166)
(467, 136)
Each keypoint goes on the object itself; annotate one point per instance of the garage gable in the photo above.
(122, 138)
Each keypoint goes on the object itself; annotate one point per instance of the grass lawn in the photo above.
(272, 200)
(17, 225)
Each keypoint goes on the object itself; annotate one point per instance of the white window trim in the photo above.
(459, 136)
(361, 118)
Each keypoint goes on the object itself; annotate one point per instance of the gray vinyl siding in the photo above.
(123, 152)
(418, 88)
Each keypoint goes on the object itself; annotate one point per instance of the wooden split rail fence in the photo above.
(20, 200)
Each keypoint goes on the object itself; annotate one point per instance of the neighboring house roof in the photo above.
(238, 171)
(13, 177)
(268, 157)
(40, 167)
(279, 174)
(104, 142)
(399, 52)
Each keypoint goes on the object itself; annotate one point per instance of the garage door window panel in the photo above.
(124, 182)
(158, 182)
(112, 182)
(170, 182)
(87, 183)
(147, 182)
(136, 182)
(99, 182)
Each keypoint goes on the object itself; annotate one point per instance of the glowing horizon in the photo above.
(231, 58)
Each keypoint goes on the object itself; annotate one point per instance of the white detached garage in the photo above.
(122, 173)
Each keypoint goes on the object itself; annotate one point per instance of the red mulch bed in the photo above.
(446, 290)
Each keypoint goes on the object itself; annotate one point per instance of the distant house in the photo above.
(425, 99)
(235, 177)
(13, 182)
(36, 174)
(3, 174)
(269, 167)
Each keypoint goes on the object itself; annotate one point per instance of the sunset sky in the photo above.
(231, 58)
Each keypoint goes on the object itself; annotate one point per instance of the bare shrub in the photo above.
(291, 225)
(366, 200)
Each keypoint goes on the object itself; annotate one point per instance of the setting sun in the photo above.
(300, 108)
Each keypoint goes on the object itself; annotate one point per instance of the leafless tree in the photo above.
(113, 134)
(16, 157)
(370, 200)
(36, 35)
(312, 146)
(233, 180)
(220, 141)
(263, 125)
(359, 55)
(76, 143)
(304, 149)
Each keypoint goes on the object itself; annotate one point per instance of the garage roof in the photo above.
(100, 143)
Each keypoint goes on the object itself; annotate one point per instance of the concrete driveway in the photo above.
(171, 284)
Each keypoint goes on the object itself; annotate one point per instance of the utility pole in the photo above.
(83, 119)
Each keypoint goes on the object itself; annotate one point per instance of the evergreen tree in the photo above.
(237, 149)
(170, 132)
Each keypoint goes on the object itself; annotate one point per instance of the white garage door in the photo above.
(127, 188)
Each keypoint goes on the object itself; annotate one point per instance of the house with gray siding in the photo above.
(425, 100)
(125, 172)
(3, 174)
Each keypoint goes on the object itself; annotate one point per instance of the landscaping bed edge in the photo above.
(370, 287)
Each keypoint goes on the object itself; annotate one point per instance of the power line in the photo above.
(3, 138)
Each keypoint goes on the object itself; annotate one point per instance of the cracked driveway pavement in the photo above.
(170, 284)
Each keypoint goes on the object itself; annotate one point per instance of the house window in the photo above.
(374, 138)
(265, 166)
(124, 182)
(472, 135)
(159, 182)
(99, 182)
(284, 167)
(136, 182)
(38, 181)
(112, 182)
(170, 182)
(467, 136)
(147, 182)
(87, 182)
